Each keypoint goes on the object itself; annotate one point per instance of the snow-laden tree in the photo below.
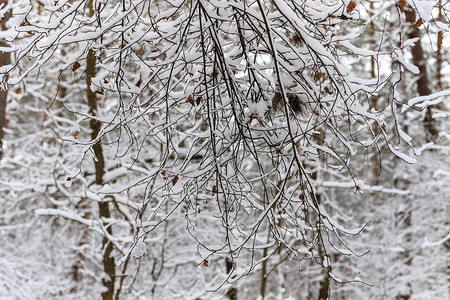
(215, 127)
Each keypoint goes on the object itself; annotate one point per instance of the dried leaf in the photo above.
(296, 39)
(351, 6)
(175, 180)
(418, 23)
(214, 189)
(76, 66)
(205, 263)
(190, 100)
(76, 133)
(301, 197)
(440, 37)
(138, 84)
(401, 5)
(100, 92)
(197, 102)
(163, 173)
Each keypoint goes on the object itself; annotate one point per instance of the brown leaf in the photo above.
(76, 66)
(175, 180)
(214, 189)
(301, 197)
(138, 84)
(163, 173)
(418, 23)
(76, 133)
(205, 263)
(197, 102)
(440, 37)
(327, 90)
(100, 92)
(190, 100)
(401, 5)
(351, 6)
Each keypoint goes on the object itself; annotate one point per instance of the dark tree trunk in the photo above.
(232, 292)
(440, 38)
(104, 212)
(423, 85)
(375, 163)
(262, 289)
(324, 285)
(5, 59)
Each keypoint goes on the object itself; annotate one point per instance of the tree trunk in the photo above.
(103, 207)
(232, 292)
(440, 38)
(262, 289)
(423, 85)
(5, 59)
(375, 163)
(324, 286)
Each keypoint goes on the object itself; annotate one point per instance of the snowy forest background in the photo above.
(241, 149)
